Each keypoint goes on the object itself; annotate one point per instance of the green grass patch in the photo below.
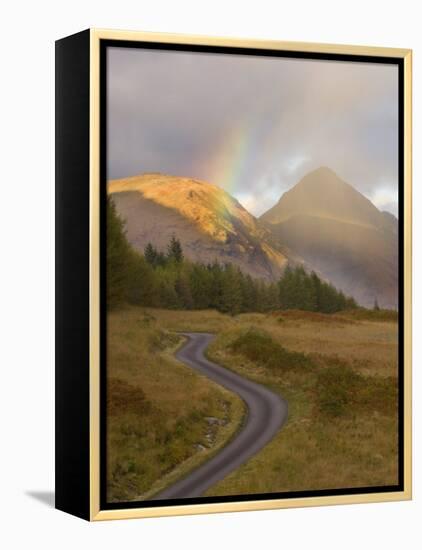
(340, 390)
(362, 314)
(259, 347)
(309, 317)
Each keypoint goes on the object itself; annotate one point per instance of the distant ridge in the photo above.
(322, 193)
(340, 233)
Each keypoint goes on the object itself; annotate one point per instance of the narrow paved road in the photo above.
(267, 412)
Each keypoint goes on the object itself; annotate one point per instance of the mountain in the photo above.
(341, 234)
(391, 221)
(209, 222)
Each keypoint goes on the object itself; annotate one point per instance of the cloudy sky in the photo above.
(253, 125)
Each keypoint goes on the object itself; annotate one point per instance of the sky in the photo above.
(253, 125)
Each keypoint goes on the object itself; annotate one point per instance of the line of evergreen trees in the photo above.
(169, 280)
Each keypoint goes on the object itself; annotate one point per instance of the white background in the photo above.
(27, 271)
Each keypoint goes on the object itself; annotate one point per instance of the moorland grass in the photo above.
(157, 408)
(259, 347)
(362, 314)
(342, 426)
(339, 378)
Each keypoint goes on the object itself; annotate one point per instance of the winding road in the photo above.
(266, 414)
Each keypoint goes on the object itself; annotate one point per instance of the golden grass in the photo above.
(193, 321)
(370, 346)
(311, 455)
(155, 427)
(316, 317)
(150, 450)
(362, 314)
(355, 445)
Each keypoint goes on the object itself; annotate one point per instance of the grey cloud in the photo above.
(172, 112)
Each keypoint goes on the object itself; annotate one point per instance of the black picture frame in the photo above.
(80, 62)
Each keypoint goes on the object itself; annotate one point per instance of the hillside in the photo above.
(341, 234)
(210, 223)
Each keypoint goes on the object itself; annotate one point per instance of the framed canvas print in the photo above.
(233, 280)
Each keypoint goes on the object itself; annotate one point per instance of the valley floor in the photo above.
(337, 372)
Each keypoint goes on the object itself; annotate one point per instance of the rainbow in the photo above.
(233, 159)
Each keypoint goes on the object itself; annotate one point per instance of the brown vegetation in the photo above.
(156, 430)
(342, 427)
(340, 380)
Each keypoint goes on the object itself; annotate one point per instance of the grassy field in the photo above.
(161, 414)
(337, 372)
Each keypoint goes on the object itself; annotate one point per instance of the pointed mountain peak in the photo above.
(323, 171)
(322, 178)
(322, 193)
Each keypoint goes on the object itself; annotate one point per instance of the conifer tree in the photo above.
(171, 281)
(216, 294)
(183, 290)
(150, 254)
(174, 250)
(142, 284)
(201, 286)
(299, 290)
(118, 256)
(231, 296)
(249, 294)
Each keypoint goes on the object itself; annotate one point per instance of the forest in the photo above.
(169, 280)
